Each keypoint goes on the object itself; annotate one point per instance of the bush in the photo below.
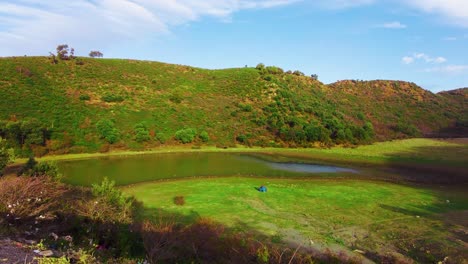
(33, 168)
(179, 200)
(106, 190)
(186, 135)
(107, 131)
(142, 133)
(161, 137)
(6, 156)
(112, 98)
(24, 198)
(85, 97)
(407, 128)
(274, 70)
(298, 73)
(204, 136)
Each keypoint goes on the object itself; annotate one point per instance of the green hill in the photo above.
(86, 105)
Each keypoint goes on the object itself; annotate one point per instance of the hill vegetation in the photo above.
(89, 105)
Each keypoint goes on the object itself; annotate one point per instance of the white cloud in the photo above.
(450, 38)
(407, 60)
(98, 23)
(423, 57)
(451, 69)
(342, 4)
(455, 11)
(393, 25)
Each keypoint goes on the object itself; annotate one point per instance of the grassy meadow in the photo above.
(368, 216)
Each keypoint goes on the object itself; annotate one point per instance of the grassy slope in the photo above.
(373, 217)
(170, 97)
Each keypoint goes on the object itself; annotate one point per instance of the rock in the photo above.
(360, 251)
(54, 236)
(46, 253)
(30, 242)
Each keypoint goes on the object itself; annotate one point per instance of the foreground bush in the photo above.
(25, 198)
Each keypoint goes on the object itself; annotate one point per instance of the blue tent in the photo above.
(262, 189)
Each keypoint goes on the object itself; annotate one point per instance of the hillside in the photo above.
(87, 105)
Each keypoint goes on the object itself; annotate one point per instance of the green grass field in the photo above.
(374, 217)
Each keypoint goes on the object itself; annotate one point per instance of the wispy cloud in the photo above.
(101, 22)
(450, 38)
(392, 25)
(450, 69)
(455, 11)
(343, 4)
(407, 60)
(423, 57)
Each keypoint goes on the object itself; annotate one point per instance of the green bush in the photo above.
(161, 137)
(106, 190)
(112, 98)
(33, 168)
(6, 155)
(85, 97)
(407, 128)
(204, 136)
(107, 131)
(142, 133)
(186, 135)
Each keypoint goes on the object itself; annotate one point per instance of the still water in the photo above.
(126, 170)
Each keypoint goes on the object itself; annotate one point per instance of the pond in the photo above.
(126, 170)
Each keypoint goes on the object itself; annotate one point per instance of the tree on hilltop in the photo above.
(95, 54)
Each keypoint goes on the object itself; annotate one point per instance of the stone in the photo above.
(46, 253)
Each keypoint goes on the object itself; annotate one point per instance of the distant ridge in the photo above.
(146, 103)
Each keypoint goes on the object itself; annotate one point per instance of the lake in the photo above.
(126, 170)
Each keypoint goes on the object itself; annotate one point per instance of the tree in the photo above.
(64, 52)
(95, 54)
(314, 77)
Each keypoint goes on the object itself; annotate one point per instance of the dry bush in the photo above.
(179, 200)
(23, 198)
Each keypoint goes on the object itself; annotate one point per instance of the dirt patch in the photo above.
(15, 252)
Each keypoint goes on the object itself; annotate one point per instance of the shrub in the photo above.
(28, 197)
(85, 97)
(274, 70)
(142, 133)
(33, 168)
(106, 190)
(186, 135)
(204, 136)
(161, 137)
(107, 130)
(112, 98)
(260, 67)
(407, 128)
(298, 73)
(179, 200)
(6, 156)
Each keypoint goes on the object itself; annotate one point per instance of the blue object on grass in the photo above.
(262, 189)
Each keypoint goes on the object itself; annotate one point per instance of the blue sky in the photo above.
(422, 41)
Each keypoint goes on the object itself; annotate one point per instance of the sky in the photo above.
(421, 41)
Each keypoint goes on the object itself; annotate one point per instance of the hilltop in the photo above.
(88, 105)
